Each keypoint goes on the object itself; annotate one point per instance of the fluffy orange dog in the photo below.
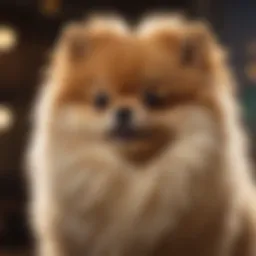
(137, 148)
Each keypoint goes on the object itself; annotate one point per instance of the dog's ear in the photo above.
(74, 41)
(70, 48)
(196, 47)
(192, 40)
(78, 39)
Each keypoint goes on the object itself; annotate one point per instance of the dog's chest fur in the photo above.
(104, 203)
(102, 200)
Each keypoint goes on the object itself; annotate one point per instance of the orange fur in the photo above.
(183, 188)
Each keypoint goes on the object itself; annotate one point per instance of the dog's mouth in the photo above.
(127, 134)
(139, 145)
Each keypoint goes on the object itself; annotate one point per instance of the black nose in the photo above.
(123, 116)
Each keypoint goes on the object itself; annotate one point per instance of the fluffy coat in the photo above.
(184, 190)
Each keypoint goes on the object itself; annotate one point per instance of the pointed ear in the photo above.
(79, 38)
(74, 40)
(196, 46)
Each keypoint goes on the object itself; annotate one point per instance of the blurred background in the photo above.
(28, 29)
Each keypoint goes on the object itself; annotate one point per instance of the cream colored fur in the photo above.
(196, 198)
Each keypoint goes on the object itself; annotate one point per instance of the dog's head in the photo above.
(133, 88)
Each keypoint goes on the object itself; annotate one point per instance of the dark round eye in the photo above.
(101, 100)
(152, 100)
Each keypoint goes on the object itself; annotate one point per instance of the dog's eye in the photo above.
(101, 100)
(152, 100)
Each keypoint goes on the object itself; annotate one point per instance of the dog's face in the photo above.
(131, 90)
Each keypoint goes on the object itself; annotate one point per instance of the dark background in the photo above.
(234, 22)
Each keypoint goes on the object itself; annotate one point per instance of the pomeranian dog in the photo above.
(138, 147)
